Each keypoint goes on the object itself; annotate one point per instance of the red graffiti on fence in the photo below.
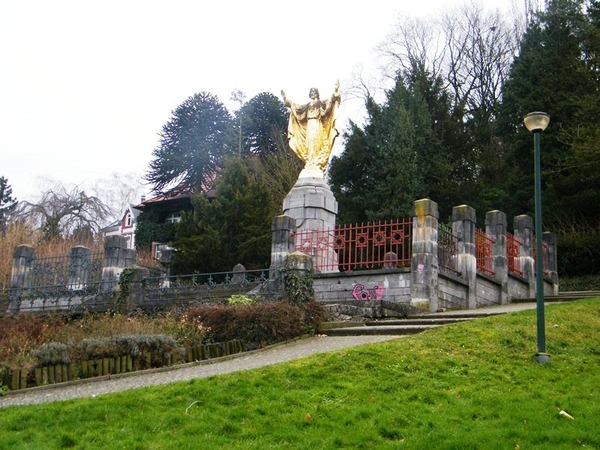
(375, 293)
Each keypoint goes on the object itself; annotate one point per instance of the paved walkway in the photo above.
(244, 361)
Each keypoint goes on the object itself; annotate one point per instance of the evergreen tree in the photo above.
(264, 124)
(401, 157)
(551, 74)
(349, 179)
(234, 228)
(7, 204)
(193, 145)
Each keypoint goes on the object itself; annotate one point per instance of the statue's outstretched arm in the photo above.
(286, 102)
(336, 96)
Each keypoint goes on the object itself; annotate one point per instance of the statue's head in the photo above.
(314, 94)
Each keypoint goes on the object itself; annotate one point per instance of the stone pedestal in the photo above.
(312, 204)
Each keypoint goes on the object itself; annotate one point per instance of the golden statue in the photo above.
(312, 131)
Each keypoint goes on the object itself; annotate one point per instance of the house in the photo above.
(164, 208)
(125, 226)
(168, 207)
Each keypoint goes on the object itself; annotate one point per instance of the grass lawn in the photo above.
(466, 386)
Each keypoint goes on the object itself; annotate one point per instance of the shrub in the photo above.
(52, 353)
(160, 346)
(22, 333)
(240, 300)
(578, 252)
(258, 324)
(95, 348)
(184, 328)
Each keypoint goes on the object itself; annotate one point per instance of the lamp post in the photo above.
(536, 122)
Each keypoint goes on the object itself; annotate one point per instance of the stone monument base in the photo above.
(312, 204)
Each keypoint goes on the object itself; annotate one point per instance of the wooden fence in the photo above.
(60, 373)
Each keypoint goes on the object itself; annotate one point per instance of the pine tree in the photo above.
(551, 74)
(7, 204)
(193, 145)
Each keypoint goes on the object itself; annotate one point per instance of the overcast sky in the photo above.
(85, 87)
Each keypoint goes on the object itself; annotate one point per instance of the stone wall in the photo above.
(452, 293)
(391, 285)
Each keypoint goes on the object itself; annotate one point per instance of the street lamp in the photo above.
(537, 122)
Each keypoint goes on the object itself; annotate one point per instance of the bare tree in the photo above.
(63, 210)
(469, 48)
(118, 191)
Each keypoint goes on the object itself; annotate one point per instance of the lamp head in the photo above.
(536, 121)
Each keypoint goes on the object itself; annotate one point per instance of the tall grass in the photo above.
(465, 386)
(20, 233)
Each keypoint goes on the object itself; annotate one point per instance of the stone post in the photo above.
(299, 266)
(551, 266)
(239, 274)
(424, 263)
(523, 226)
(80, 266)
(282, 242)
(21, 276)
(23, 258)
(495, 227)
(116, 258)
(463, 226)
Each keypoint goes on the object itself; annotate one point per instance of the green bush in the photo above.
(240, 300)
(578, 252)
(580, 283)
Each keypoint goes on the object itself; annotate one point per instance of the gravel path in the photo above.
(245, 361)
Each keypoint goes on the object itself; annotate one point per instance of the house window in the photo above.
(173, 218)
(128, 220)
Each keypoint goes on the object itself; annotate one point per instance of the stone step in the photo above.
(418, 321)
(378, 330)
(463, 314)
(561, 297)
(394, 322)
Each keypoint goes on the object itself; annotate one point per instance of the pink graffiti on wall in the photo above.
(375, 293)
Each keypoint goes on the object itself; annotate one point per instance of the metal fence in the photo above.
(201, 287)
(72, 272)
(483, 253)
(62, 277)
(447, 250)
(358, 247)
(513, 254)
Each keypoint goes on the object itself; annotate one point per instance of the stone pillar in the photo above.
(80, 266)
(551, 265)
(424, 263)
(495, 227)
(282, 242)
(314, 208)
(21, 276)
(463, 226)
(523, 226)
(298, 280)
(116, 258)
